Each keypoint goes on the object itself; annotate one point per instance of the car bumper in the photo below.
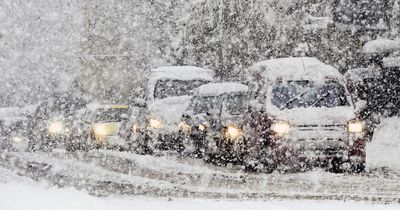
(284, 150)
(110, 141)
(162, 139)
(229, 149)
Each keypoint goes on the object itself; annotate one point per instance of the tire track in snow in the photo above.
(129, 174)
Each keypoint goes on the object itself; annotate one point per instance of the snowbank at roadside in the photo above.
(384, 150)
(19, 193)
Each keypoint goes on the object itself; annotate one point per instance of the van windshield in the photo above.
(236, 104)
(172, 88)
(297, 94)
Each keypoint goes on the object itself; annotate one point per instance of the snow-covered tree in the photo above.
(122, 40)
(227, 35)
(39, 48)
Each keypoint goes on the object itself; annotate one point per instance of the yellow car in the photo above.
(108, 126)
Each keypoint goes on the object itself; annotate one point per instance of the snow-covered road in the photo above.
(107, 173)
(21, 193)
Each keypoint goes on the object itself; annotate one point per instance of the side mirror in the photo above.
(185, 115)
(254, 105)
(360, 105)
(212, 112)
(139, 102)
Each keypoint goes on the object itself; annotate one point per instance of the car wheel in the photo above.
(180, 147)
(358, 167)
(336, 165)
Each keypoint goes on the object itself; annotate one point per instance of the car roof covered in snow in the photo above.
(381, 46)
(295, 68)
(182, 73)
(217, 89)
(96, 106)
(317, 23)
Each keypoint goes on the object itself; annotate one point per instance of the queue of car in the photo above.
(290, 114)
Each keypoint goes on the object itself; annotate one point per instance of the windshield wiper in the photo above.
(296, 98)
(320, 99)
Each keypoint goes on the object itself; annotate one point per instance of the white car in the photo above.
(168, 93)
(302, 115)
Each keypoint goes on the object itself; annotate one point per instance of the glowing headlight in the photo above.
(185, 128)
(356, 127)
(232, 132)
(17, 139)
(154, 123)
(56, 128)
(202, 127)
(281, 128)
(135, 128)
(100, 130)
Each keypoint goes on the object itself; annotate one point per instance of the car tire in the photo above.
(336, 165)
(357, 167)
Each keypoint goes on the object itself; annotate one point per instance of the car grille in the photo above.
(318, 132)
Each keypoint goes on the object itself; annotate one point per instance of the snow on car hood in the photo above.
(386, 140)
(169, 110)
(315, 115)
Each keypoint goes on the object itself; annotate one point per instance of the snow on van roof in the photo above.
(216, 89)
(295, 68)
(95, 106)
(182, 73)
(381, 46)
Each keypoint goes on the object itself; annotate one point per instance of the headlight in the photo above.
(356, 127)
(202, 127)
(100, 130)
(154, 123)
(281, 128)
(56, 128)
(185, 128)
(232, 132)
(135, 128)
(17, 139)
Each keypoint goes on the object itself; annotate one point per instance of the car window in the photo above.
(202, 104)
(171, 88)
(235, 104)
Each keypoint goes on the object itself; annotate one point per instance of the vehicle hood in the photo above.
(169, 110)
(315, 115)
(195, 119)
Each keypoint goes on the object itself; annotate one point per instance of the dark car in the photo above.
(52, 121)
(213, 113)
(14, 128)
